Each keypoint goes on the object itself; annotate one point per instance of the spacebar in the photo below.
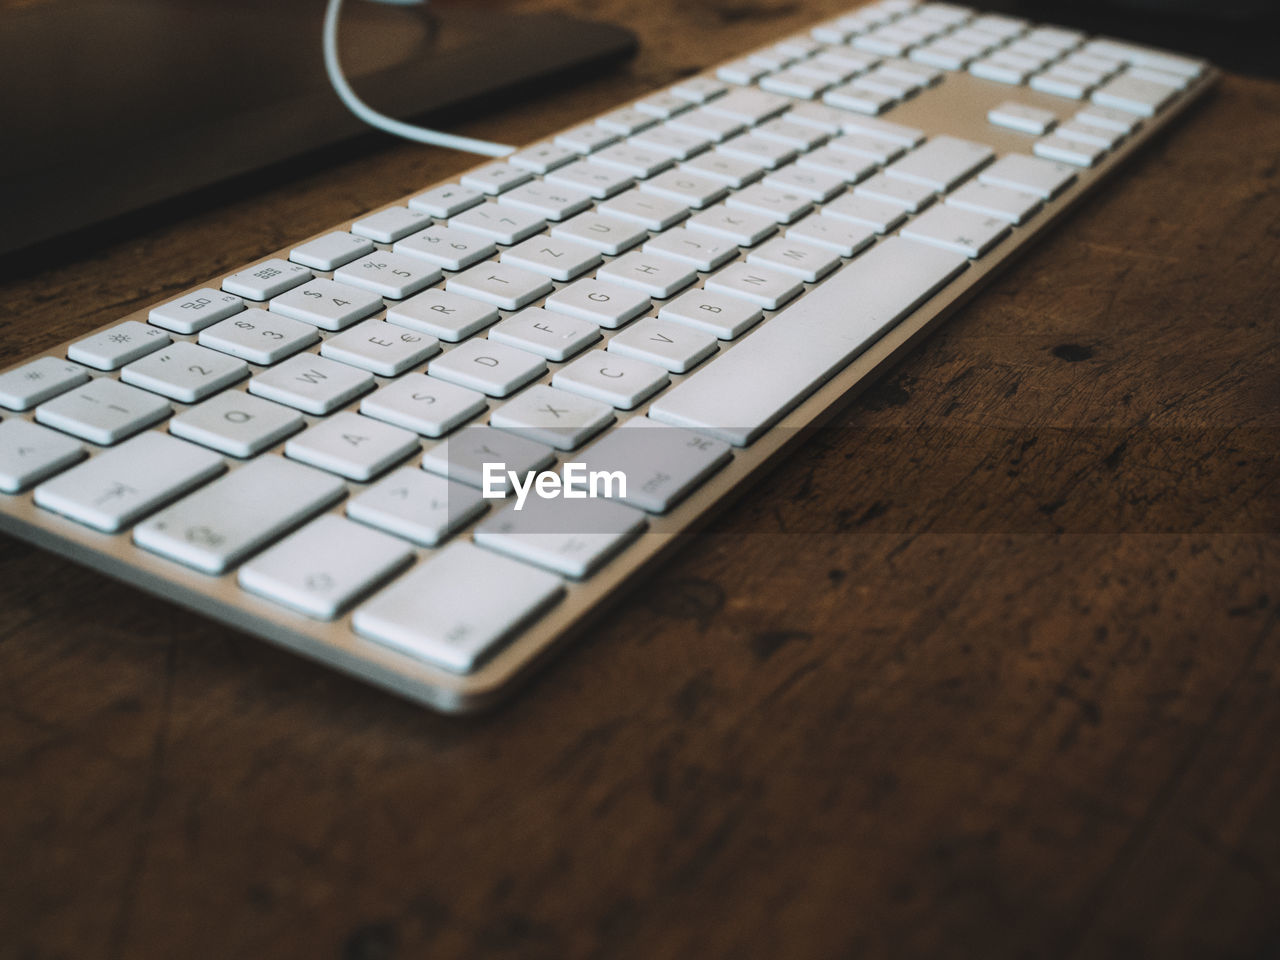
(741, 394)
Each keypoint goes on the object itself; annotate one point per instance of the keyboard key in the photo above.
(609, 235)
(417, 506)
(1042, 178)
(748, 106)
(326, 303)
(743, 72)
(731, 171)
(1023, 118)
(587, 138)
(195, 311)
(444, 315)
(457, 608)
(358, 448)
(807, 261)
(652, 273)
(1086, 133)
(674, 143)
(503, 223)
(119, 486)
(652, 213)
(699, 89)
(488, 366)
(595, 178)
(722, 316)
(703, 250)
(259, 336)
(542, 157)
(858, 98)
(29, 453)
(118, 345)
(500, 284)
(865, 145)
(325, 567)
(794, 83)
(388, 226)
(626, 121)
(495, 178)
(312, 384)
(571, 537)
(563, 420)
(606, 304)
(221, 524)
(553, 257)
(633, 160)
(885, 130)
(554, 201)
(879, 215)
(842, 237)
(908, 194)
(611, 378)
(237, 424)
(267, 279)
(446, 200)
(662, 464)
(391, 275)
(380, 347)
(1013, 206)
(1119, 121)
(462, 456)
(762, 286)
(690, 189)
(554, 336)
(743, 227)
(664, 105)
(333, 250)
(664, 343)
(1075, 152)
(963, 231)
(185, 372)
(758, 150)
(743, 392)
(1134, 94)
(848, 167)
(1064, 81)
(424, 404)
(942, 163)
(447, 247)
(812, 184)
(32, 383)
(704, 122)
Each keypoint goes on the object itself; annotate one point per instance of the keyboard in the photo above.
(428, 446)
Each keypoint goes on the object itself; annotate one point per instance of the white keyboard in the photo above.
(360, 447)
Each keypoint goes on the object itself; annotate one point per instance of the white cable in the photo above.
(375, 119)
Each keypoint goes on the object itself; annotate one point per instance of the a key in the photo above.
(237, 515)
(879, 215)
(586, 138)
(744, 391)
(500, 284)
(312, 384)
(662, 464)
(553, 257)
(259, 336)
(325, 567)
(416, 505)
(490, 367)
(1019, 116)
(391, 275)
(848, 167)
(333, 250)
(463, 455)
(542, 157)
(610, 378)
(237, 424)
(595, 178)
(652, 213)
(702, 121)
(119, 486)
(29, 453)
(626, 121)
(118, 345)
(633, 160)
(185, 372)
(831, 233)
(870, 147)
(389, 225)
(749, 106)
(763, 286)
(495, 178)
(690, 189)
(266, 280)
(1075, 152)
(424, 404)
(743, 227)
(380, 347)
(195, 311)
(952, 228)
(446, 200)
(807, 261)
(674, 143)
(759, 150)
(563, 420)
(703, 250)
(1012, 206)
(554, 336)
(446, 316)
(664, 343)
(571, 537)
(605, 304)
(731, 171)
(326, 303)
(33, 383)
(358, 448)
(503, 224)
(609, 235)
(815, 185)
(652, 273)
(552, 201)
(942, 163)
(457, 608)
(1042, 178)
(907, 194)
(722, 316)
(447, 247)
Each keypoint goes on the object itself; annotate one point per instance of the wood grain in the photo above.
(991, 669)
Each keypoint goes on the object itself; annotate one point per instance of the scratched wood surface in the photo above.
(990, 669)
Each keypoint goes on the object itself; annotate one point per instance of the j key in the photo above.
(563, 420)
(842, 237)
(333, 250)
(595, 178)
(119, 486)
(463, 455)
(807, 261)
(495, 178)
(942, 163)
(446, 200)
(328, 304)
(185, 372)
(447, 247)
(570, 537)
(703, 250)
(490, 367)
(312, 384)
(266, 280)
(691, 189)
(550, 200)
(195, 311)
(237, 424)
(417, 506)
(118, 345)
(963, 231)
(1042, 178)
(722, 316)
(551, 335)
(390, 225)
(606, 304)
(391, 275)
(358, 448)
(504, 224)
(447, 316)
(653, 213)
(32, 383)
(664, 343)
(553, 257)
(609, 235)
(221, 524)
(325, 567)
(424, 404)
(652, 273)
(876, 214)
(662, 464)
(259, 336)
(1012, 206)
(500, 284)
(29, 453)
(763, 286)
(610, 378)
(457, 608)
(380, 347)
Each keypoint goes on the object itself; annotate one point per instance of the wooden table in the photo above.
(990, 669)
